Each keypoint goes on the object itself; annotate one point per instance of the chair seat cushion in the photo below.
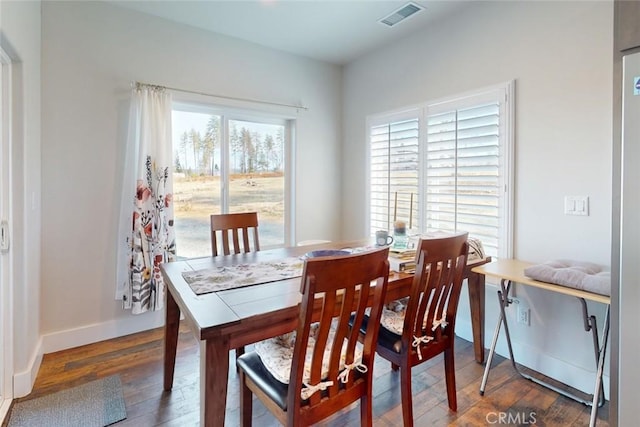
(253, 367)
(392, 324)
(581, 275)
(393, 315)
(386, 338)
(277, 354)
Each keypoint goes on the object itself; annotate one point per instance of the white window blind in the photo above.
(394, 173)
(446, 166)
(462, 173)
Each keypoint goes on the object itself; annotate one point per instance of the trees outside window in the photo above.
(224, 164)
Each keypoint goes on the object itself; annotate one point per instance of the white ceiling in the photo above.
(335, 31)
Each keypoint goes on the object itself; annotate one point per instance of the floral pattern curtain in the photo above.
(146, 219)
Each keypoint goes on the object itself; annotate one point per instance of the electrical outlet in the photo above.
(523, 314)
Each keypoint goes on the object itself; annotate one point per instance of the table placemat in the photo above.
(230, 277)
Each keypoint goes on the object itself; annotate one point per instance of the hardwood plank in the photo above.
(138, 359)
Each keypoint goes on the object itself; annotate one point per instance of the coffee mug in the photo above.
(383, 238)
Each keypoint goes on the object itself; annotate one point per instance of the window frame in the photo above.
(504, 93)
(263, 115)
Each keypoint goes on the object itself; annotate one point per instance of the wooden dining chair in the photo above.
(307, 375)
(422, 325)
(232, 232)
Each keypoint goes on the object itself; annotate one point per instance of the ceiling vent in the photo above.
(401, 14)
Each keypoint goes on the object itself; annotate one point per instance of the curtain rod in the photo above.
(233, 98)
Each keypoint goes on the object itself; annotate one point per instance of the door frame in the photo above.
(6, 257)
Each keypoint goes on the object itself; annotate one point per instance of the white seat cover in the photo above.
(277, 353)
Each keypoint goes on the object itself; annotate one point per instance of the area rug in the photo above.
(95, 404)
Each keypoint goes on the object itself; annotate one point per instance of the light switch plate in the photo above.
(576, 205)
(4, 236)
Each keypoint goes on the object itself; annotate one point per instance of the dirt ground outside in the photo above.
(198, 197)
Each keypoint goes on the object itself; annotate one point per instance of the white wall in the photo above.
(560, 55)
(20, 32)
(91, 53)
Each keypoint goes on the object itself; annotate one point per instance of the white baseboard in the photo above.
(96, 332)
(531, 357)
(5, 404)
(70, 338)
(23, 381)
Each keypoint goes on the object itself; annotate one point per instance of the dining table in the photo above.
(227, 319)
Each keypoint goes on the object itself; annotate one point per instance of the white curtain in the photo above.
(146, 234)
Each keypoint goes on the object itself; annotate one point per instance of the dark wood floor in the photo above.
(138, 360)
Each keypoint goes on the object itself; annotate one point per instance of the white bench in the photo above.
(510, 271)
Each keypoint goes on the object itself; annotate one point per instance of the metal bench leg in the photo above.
(504, 301)
(590, 325)
(492, 350)
(601, 357)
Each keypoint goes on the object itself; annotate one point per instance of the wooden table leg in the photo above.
(171, 327)
(214, 371)
(476, 285)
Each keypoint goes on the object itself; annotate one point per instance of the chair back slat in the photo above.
(229, 230)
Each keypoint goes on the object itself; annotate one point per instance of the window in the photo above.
(394, 167)
(446, 166)
(225, 162)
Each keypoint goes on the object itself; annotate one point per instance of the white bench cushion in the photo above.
(581, 275)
